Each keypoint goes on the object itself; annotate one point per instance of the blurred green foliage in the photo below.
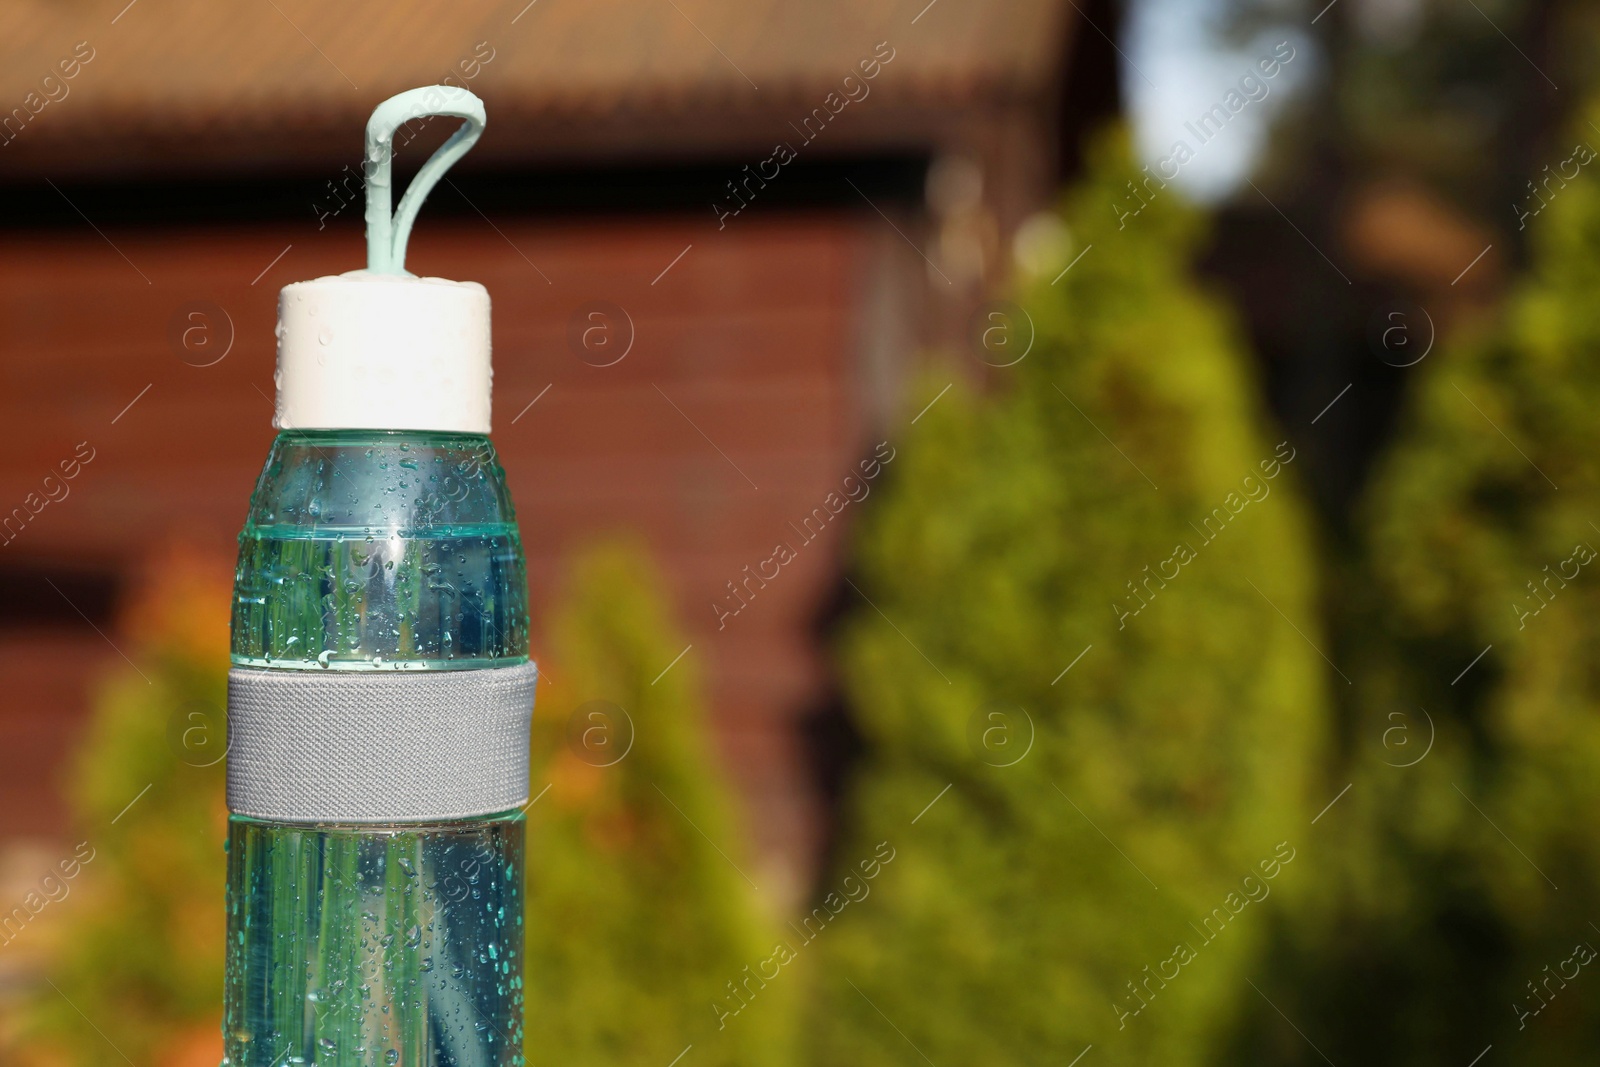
(1448, 906)
(638, 918)
(141, 936)
(1177, 752)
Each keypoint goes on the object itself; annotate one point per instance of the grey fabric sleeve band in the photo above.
(378, 746)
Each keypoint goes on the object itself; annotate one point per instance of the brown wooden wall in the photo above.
(753, 334)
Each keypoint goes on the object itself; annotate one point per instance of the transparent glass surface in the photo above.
(363, 945)
(374, 550)
(396, 945)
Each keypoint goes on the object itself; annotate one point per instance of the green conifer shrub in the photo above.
(1170, 770)
(1473, 626)
(638, 919)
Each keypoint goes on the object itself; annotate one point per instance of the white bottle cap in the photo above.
(383, 352)
(381, 349)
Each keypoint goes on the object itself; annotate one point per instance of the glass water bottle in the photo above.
(380, 690)
(400, 943)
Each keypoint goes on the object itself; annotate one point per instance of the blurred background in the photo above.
(1086, 505)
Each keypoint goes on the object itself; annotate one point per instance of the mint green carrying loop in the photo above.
(386, 235)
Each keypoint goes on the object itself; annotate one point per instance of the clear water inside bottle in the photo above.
(395, 944)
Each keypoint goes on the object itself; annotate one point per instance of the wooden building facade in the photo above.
(773, 209)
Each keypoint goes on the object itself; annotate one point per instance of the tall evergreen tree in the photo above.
(1094, 854)
(1473, 630)
(640, 926)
